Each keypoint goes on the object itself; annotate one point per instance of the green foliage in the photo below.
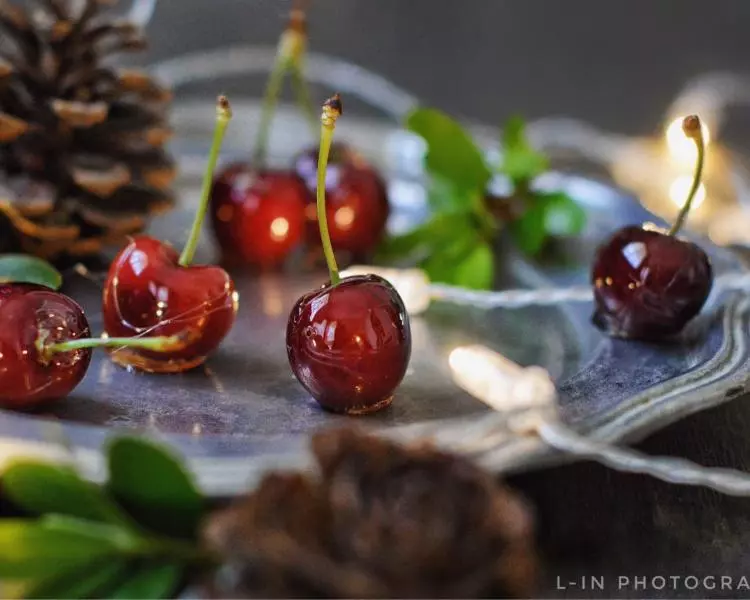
(455, 245)
(20, 268)
(451, 153)
(154, 487)
(90, 541)
(521, 163)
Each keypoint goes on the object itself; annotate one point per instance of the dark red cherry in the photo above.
(258, 216)
(148, 293)
(356, 201)
(31, 317)
(648, 285)
(349, 344)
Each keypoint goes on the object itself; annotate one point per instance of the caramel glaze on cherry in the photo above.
(648, 285)
(148, 293)
(356, 201)
(258, 215)
(30, 314)
(349, 344)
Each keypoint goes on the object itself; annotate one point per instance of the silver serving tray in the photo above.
(245, 412)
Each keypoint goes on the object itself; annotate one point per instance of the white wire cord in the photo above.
(734, 281)
(666, 468)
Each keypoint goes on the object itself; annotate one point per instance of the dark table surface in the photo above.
(617, 64)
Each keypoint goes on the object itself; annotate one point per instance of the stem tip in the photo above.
(332, 110)
(223, 108)
(691, 125)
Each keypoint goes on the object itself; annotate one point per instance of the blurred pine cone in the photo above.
(81, 143)
(382, 521)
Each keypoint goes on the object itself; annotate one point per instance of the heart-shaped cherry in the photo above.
(348, 343)
(356, 201)
(649, 284)
(257, 213)
(45, 348)
(150, 289)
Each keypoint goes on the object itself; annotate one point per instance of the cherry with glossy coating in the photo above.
(356, 201)
(151, 290)
(45, 345)
(29, 313)
(257, 213)
(649, 284)
(348, 343)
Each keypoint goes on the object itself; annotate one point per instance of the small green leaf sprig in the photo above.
(455, 245)
(22, 268)
(133, 537)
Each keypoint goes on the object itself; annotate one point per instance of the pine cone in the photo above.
(81, 143)
(382, 521)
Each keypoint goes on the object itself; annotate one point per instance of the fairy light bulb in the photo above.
(499, 382)
(411, 284)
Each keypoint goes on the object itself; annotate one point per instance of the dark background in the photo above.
(618, 64)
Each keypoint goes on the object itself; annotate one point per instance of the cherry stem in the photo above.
(331, 111)
(302, 92)
(693, 129)
(289, 56)
(156, 344)
(223, 116)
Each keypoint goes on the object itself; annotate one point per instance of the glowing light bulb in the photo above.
(411, 284)
(344, 217)
(682, 148)
(279, 228)
(499, 382)
(679, 189)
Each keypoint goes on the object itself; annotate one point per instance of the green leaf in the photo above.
(521, 163)
(477, 269)
(150, 582)
(154, 487)
(550, 214)
(20, 268)
(32, 549)
(563, 216)
(45, 488)
(88, 581)
(438, 231)
(451, 153)
(529, 230)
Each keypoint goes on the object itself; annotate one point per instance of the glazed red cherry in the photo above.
(649, 284)
(45, 345)
(258, 216)
(348, 343)
(356, 201)
(257, 213)
(151, 290)
(31, 317)
(148, 292)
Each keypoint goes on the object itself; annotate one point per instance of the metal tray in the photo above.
(245, 412)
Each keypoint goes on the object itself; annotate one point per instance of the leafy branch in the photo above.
(134, 537)
(455, 245)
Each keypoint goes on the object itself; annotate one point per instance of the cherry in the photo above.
(257, 213)
(45, 348)
(648, 284)
(348, 343)
(357, 201)
(151, 289)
